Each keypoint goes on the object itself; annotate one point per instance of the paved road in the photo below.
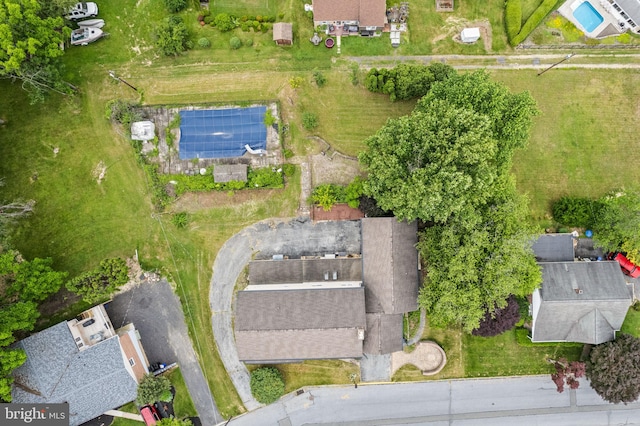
(523, 401)
(157, 314)
(260, 241)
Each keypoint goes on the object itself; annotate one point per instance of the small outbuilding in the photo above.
(228, 172)
(470, 35)
(143, 131)
(283, 33)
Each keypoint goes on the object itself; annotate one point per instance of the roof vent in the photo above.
(578, 291)
(361, 334)
(326, 275)
(335, 275)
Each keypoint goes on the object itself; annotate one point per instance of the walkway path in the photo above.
(261, 241)
(124, 414)
(532, 400)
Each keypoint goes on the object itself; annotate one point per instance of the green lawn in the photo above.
(314, 373)
(471, 356)
(631, 323)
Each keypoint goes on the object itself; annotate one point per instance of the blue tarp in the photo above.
(221, 133)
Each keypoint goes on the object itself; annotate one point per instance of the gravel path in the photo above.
(535, 60)
(261, 241)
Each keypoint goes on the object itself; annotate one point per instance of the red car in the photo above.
(628, 267)
(149, 415)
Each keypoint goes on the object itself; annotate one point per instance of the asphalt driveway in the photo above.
(157, 314)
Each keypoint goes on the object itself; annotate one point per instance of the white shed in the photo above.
(143, 131)
(470, 35)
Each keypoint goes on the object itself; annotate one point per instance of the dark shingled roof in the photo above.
(369, 13)
(304, 270)
(554, 248)
(92, 381)
(384, 334)
(288, 325)
(582, 302)
(390, 265)
(228, 172)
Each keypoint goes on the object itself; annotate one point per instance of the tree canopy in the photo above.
(23, 284)
(477, 260)
(97, 285)
(153, 388)
(30, 42)
(613, 369)
(500, 320)
(448, 164)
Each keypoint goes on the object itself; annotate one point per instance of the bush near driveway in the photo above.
(267, 384)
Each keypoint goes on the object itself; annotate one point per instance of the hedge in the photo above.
(267, 384)
(513, 18)
(534, 20)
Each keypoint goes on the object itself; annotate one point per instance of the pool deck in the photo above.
(607, 28)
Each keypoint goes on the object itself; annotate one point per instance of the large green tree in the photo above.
(448, 164)
(616, 223)
(613, 369)
(152, 389)
(30, 45)
(477, 260)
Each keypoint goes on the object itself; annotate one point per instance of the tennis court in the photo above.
(221, 133)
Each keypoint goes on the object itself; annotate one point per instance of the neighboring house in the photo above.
(350, 17)
(283, 33)
(628, 11)
(301, 309)
(555, 248)
(229, 172)
(331, 307)
(390, 275)
(83, 362)
(579, 301)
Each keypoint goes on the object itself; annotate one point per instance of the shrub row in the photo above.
(513, 18)
(534, 20)
(256, 178)
(329, 194)
(575, 211)
(406, 81)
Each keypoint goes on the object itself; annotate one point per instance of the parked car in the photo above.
(82, 11)
(149, 415)
(628, 267)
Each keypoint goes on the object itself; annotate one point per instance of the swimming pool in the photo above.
(588, 16)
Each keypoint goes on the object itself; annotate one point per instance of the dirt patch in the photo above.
(99, 172)
(195, 201)
(453, 26)
(337, 212)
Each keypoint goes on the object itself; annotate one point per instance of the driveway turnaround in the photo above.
(531, 400)
(294, 238)
(157, 314)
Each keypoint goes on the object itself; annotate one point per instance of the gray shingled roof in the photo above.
(631, 8)
(288, 325)
(390, 265)
(384, 334)
(304, 270)
(582, 302)
(92, 381)
(554, 248)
